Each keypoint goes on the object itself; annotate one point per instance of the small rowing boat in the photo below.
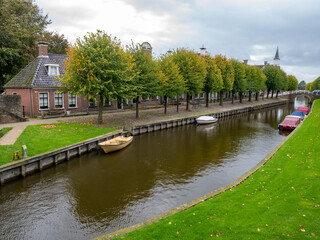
(115, 144)
(206, 120)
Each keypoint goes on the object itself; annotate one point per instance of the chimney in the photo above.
(43, 48)
(245, 62)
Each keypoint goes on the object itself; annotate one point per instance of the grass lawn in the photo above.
(280, 201)
(4, 131)
(44, 138)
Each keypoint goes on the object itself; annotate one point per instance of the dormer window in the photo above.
(52, 69)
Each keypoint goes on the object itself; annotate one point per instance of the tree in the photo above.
(58, 44)
(282, 82)
(315, 85)
(302, 85)
(21, 23)
(255, 80)
(98, 68)
(227, 73)
(213, 80)
(292, 83)
(147, 74)
(271, 73)
(193, 69)
(240, 80)
(171, 83)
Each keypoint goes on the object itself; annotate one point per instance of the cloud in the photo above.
(240, 29)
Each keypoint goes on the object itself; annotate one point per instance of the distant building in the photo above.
(277, 58)
(276, 61)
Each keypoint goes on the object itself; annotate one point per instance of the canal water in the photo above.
(96, 194)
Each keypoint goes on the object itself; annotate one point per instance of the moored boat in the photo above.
(115, 144)
(289, 123)
(206, 120)
(299, 114)
(304, 109)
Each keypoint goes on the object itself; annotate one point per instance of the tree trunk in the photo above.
(257, 95)
(221, 97)
(137, 107)
(268, 93)
(249, 97)
(100, 104)
(277, 94)
(272, 94)
(232, 97)
(165, 104)
(207, 99)
(177, 102)
(3, 80)
(240, 96)
(188, 101)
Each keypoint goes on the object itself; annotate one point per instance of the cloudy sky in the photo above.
(240, 29)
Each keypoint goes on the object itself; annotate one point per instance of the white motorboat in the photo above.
(206, 120)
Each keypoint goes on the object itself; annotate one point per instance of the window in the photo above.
(14, 93)
(58, 100)
(107, 102)
(92, 102)
(72, 101)
(43, 100)
(52, 69)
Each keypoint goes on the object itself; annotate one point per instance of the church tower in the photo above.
(277, 58)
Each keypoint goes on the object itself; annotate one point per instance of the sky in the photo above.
(240, 29)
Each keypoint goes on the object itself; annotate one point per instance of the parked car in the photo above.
(317, 92)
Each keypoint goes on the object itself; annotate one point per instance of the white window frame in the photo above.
(47, 98)
(69, 97)
(50, 66)
(62, 96)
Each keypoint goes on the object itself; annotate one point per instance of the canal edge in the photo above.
(201, 199)
(22, 168)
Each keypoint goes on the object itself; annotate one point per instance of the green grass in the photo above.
(40, 139)
(4, 131)
(280, 201)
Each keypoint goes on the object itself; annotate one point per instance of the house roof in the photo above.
(35, 74)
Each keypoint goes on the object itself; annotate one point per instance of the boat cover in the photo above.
(289, 123)
(298, 113)
(303, 109)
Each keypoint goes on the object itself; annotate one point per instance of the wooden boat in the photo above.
(206, 120)
(115, 144)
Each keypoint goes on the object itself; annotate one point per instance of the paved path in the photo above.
(127, 118)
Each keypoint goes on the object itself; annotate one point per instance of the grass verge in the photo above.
(44, 138)
(280, 201)
(4, 131)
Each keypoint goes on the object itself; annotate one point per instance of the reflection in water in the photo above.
(98, 193)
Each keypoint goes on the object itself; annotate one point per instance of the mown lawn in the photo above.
(44, 138)
(280, 201)
(4, 131)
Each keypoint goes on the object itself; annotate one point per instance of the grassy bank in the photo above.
(4, 131)
(280, 201)
(44, 138)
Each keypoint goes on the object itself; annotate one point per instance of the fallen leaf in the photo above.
(302, 230)
(258, 229)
